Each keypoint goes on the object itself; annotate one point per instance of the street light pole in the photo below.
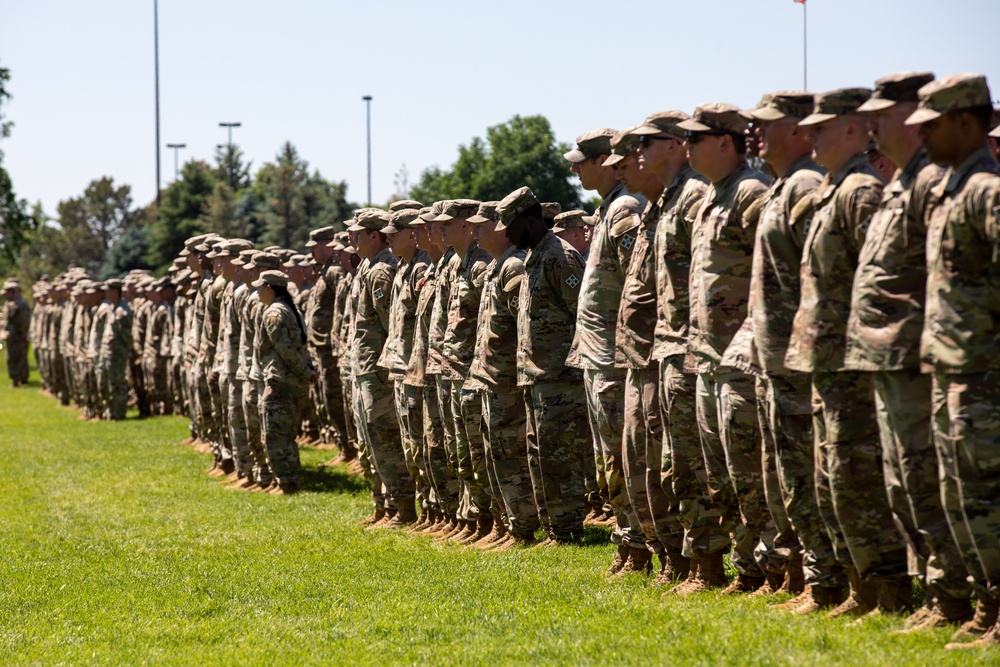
(368, 108)
(176, 148)
(156, 64)
(230, 126)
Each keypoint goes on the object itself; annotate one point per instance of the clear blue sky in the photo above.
(440, 72)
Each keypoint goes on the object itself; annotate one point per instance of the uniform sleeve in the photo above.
(280, 334)
(381, 295)
(565, 278)
(861, 205)
(510, 286)
(622, 228)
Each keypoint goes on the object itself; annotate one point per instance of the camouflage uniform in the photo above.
(286, 367)
(593, 351)
(250, 364)
(784, 402)
(141, 308)
(555, 404)
(17, 319)
(849, 481)
(959, 342)
(642, 438)
(466, 404)
(238, 430)
(156, 357)
(319, 322)
(116, 349)
(97, 326)
(722, 251)
(342, 385)
(494, 365)
(380, 435)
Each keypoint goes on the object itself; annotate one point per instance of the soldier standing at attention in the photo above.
(962, 326)
(16, 320)
(116, 349)
(554, 398)
(850, 486)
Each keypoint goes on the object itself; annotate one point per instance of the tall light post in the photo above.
(368, 109)
(156, 65)
(230, 126)
(176, 148)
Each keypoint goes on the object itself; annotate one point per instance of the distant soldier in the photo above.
(116, 351)
(16, 321)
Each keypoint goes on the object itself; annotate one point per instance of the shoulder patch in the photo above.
(573, 281)
(627, 241)
(378, 293)
(516, 303)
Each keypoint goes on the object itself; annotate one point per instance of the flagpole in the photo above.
(805, 56)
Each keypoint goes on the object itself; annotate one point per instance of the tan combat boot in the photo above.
(674, 567)
(863, 597)
(817, 598)
(984, 619)
(640, 561)
(621, 557)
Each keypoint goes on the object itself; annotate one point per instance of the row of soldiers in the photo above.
(796, 368)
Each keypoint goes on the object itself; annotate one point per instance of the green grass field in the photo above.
(118, 549)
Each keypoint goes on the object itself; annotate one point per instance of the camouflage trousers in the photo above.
(17, 361)
(113, 385)
(557, 451)
(238, 432)
(349, 445)
(382, 439)
(967, 436)
(507, 451)
(910, 466)
(444, 388)
(784, 406)
(683, 462)
(380, 498)
(261, 469)
(777, 544)
(409, 403)
(467, 412)
(849, 469)
(218, 387)
(605, 395)
(138, 384)
(642, 462)
(727, 420)
(203, 408)
(157, 381)
(444, 484)
(280, 412)
(331, 392)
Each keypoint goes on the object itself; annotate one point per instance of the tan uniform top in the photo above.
(97, 325)
(840, 212)
(636, 324)
(439, 310)
(320, 309)
(494, 360)
(425, 289)
(234, 330)
(887, 301)
(396, 353)
(282, 346)
(546, 318)
(721, 257)
(672, 251)
(464, 296)
(962, 318)
(371, 319)
(614, 236)
(157, 343)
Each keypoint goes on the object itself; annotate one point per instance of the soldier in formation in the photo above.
(794, 365)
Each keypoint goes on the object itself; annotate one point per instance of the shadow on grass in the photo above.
(331, 480)
(594, 536)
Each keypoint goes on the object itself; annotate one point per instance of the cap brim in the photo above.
(257, 283)
(238, 262)
(501, 225)
(873, 104)
(357, 228)
(612, 160)
(575, 155)
(310, 243)
(995, 133)
(691, 125)
(767, 114)
(389, 229)
(646, 130)
(477, 220)
(816, 119)
(922, 116)
(444, 217)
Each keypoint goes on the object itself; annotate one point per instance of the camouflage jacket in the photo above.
(546, 316)
(371, 319)
(962, 319)
(837, 216)
(320, 309)
(672, 252)
(424, 289)
(601, 291)
(282, 346)
(777, 259)
(116, 342)
(637, 313)
(234, 329)
(464, 296)
(17, 321)
(402, 311)
(157, 343)
(494, 362)
(887, 301)
(97, 325)
(345, 282)
(721, 258)
(438, 324)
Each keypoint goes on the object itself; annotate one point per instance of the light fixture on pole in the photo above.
(176, 148)
(368, 105)
(230, 126)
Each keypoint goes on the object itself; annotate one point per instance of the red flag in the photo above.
(801, 2)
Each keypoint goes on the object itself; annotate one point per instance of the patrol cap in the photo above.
(435, 211)
(191, 243)
(294, 261)
(272, 278)
(208, 243)
(320, 236)
(623, 144)
(265, 260)
(575, 219)
(404, 204)
(245, 257)
(455, 209)
(784, 104)
(113, 283)
(487, 213)
(340, 239)
(958, 91)
(836, 103)
(591, 144)
(715, 117)
(232, 248)
(11, 285)
(369, 219)
(895, 88)
(401, 220)
(550, 209)
(514, 204)
(662, 122)
(995, 132)
(995, 120)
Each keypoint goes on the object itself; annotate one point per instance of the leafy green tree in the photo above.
(179, 215)
(16, 224)
(522, 151)
(230, 168)
(128, 253)
(220, 211)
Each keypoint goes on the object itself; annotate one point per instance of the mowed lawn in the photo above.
(117, 548)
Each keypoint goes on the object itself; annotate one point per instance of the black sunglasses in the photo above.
(646, 138)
